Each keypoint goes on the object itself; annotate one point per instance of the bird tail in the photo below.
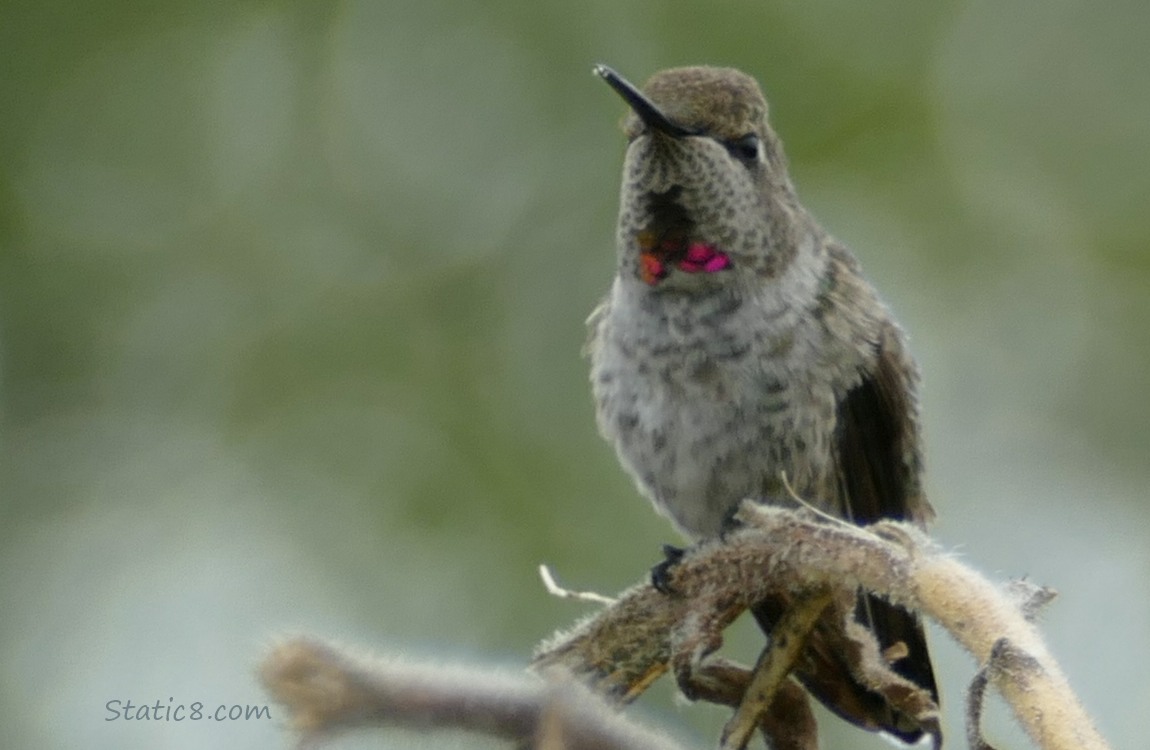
(827, 674)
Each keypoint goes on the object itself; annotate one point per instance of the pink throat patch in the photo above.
(703, 259)
(700, 258)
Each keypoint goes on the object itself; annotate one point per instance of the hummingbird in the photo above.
(740, 350)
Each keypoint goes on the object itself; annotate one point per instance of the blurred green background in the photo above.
(291, 302)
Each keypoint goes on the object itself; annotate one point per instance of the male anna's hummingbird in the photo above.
(740, 341)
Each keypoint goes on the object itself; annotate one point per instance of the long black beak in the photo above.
(651, 115)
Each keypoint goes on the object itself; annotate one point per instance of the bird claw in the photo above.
(731, 523)
(661, 573)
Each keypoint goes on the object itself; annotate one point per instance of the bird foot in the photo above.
(661, 573)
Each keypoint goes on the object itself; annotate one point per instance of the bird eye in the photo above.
(746, 148)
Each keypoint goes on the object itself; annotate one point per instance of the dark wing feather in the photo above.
(877, 441)
(879, 477)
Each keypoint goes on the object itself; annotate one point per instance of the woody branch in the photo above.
(644, 633)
